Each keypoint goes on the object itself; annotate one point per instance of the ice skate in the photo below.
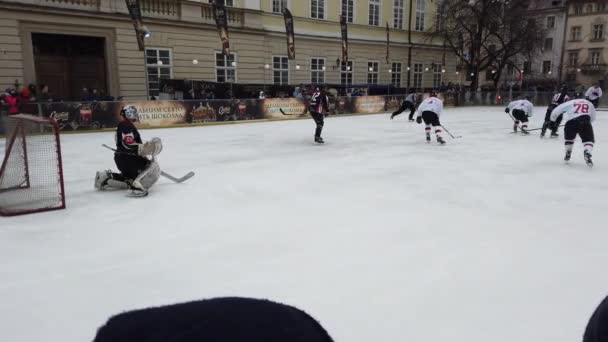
(440, 140)
(319, 140)
(588, 159)
(524, 131)
(428, 137)
(514, 128)
(568, 156)
(554, 135)
(543, 130)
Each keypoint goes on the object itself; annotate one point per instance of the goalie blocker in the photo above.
(135, 159)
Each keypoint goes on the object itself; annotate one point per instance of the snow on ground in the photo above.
(379, 235)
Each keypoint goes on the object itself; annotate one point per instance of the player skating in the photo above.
(593, 94)
(318, 107)
(521, 111)
(578, 114)
(429, 111)
(558, 99)
(409, 103)
(134, 159)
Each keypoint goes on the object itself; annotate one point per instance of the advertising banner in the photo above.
(271, 108)
(368, 104)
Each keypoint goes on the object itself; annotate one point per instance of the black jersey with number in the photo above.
(127, 137)
(319, 102)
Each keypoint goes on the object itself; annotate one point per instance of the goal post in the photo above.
(31, 175)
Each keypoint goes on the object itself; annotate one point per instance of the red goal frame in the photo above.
(11, 138)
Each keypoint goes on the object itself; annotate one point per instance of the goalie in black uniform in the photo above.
(134, 159)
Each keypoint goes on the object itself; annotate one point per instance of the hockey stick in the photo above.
(453, 137)
(162, 173)
(282, 112)
(536, 129)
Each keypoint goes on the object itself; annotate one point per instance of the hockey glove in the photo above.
(419, 120)
(507, 110)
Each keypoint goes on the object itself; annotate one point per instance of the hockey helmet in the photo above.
(130, 112)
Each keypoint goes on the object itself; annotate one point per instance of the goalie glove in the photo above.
(150, 148)
(507, 110)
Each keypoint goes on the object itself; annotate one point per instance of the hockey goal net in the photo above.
(31, 175)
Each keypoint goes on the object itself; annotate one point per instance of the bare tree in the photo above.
(488, 34)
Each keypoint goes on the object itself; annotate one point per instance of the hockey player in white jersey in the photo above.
(430, 110)
(578, 115)
(593, 94)
(521, 111)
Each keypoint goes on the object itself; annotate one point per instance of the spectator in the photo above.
(45, 96)
(85, 94)
(26, 96)
(13, 100)
(297, 93)
(262, 95)
(95, 95)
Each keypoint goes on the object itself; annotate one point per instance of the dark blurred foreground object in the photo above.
(231, 319)
(597, 329)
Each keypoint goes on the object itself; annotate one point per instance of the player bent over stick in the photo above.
(429, 110)
(135, 159)
(408, 103)
(578, 114)
(522, 110)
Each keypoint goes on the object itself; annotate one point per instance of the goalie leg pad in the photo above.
(148, 177)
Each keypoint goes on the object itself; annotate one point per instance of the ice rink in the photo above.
(379, 235)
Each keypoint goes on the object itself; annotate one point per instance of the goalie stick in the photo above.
(163, 173)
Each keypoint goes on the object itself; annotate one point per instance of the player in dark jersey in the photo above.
(557, 100)
(409, 103)
(318, 107)
(137, 171)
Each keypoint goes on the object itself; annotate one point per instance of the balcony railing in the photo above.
(593, 68)
(234, 15)
(161, 8)
(164, 9)
(73, 4)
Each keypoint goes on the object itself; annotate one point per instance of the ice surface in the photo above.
(379, 235)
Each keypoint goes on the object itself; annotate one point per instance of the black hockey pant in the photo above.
(580, 126)
(547, 123)
(520, 116)
(431, 119)
(130, 166)
(405, 105)
(318, 117)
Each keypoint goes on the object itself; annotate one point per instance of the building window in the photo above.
(571, 77)
(590, 8)
(578, 9)
(346, 73)
(595, 57)
(548, 44)
(398, 14)
(527, 67)
(229, 3)
(550, 22)
(225, 68)
(575, 33)
(158, 66)
(372, 72)
(418, 75)
(278, 6)
(598, 32)
(396, 75)
(317, 70)
(317, 9)
(348, 10)
(374, 12)
(601, 7)
(573, 58)
(437, 75)
(420, 9)
(280, 70)
(546, 67)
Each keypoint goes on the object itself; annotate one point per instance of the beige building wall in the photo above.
(255, 37)
(584, 71)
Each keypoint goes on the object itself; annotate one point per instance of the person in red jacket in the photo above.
(13, 101)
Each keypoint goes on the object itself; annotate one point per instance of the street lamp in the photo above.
(195, 61)
(159, 62)
(298, 66)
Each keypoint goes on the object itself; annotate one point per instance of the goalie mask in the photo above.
(130, 112)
